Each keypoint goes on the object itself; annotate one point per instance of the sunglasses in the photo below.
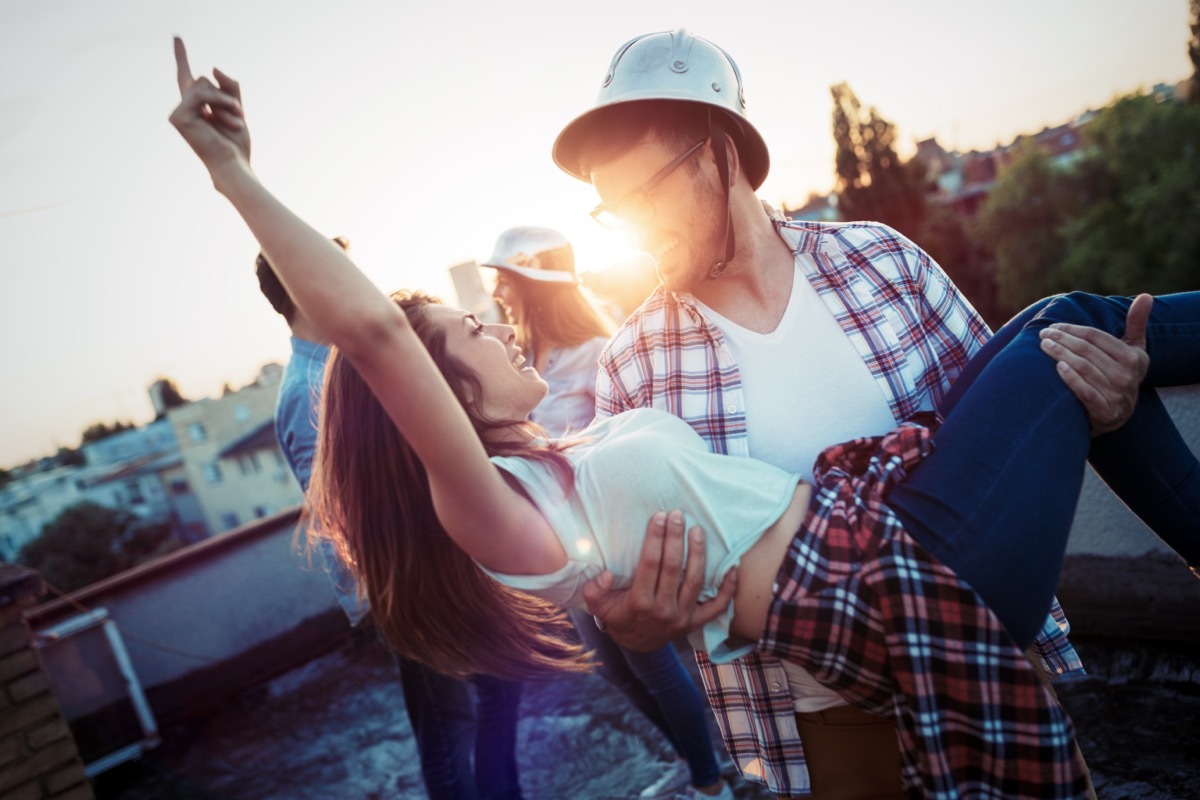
(636, 206)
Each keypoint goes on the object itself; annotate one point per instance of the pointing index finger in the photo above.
(182, 68)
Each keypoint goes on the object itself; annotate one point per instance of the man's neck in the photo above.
(754, 291)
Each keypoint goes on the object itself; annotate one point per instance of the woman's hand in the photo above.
(209, 117)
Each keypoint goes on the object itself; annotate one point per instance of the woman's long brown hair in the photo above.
(555, 315)
(370, 496)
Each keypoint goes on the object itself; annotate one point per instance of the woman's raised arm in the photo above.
(359, 319)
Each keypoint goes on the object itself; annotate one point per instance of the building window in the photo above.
(229, 520)
(241, 413)
(179, 486)
(248, 463)
(196, 432)
(212, 471)
(135, 492)
(261, 511)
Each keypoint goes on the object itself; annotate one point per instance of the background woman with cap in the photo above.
(562, 331)
(559, 328)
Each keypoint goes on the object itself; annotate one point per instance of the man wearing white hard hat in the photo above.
(773, 339)
(562, 332)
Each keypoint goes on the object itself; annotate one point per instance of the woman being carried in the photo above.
(892, 590)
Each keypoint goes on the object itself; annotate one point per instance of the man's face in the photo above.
(677, 220)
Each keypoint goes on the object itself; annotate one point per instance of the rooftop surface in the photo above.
(335, 728)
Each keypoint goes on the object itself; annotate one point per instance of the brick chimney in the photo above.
(38, 756)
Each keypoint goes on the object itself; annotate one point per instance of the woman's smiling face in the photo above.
(511, 389)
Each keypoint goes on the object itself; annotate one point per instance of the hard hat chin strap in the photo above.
(716, 133)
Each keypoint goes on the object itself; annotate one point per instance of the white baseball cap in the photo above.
(521, 251)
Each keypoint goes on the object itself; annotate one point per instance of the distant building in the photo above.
(963, 181)
(154, 439)
(817, 208)
(30, 501)
(135, 486)
(206, 467)
(232, 465)
(265, 483)
(130, 471)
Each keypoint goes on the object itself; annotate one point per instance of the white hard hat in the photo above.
(520, 251)
(671, 65)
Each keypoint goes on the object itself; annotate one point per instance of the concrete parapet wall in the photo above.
(216, 616)
(1119, 579)
(1105, 527)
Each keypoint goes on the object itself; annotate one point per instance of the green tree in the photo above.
(872, 182)
(89, 542)
(1022, 223)
(99, 430)
(1139, 227)
(69, 457)
(171, 396)
(1124, 219)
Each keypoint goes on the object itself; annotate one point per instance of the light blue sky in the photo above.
(421, 131)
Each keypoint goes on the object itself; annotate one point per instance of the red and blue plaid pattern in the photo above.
(915, 332)
(871, 615)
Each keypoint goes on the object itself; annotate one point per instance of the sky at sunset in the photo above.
(420, 131)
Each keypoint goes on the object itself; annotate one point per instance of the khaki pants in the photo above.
(851, 754)
(854, 755)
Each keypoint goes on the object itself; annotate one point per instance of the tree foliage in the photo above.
(70, 457)
(1193, 96)
(1021, 223)
(99, 430)
(872, 182)
(171, 396)
(89, 542)
(1124, 219)
(1139, 229)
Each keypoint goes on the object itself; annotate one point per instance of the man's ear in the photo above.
(735, 160)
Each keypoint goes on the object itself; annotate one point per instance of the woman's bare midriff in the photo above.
(760, 565)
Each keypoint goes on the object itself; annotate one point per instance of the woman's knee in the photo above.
(1084, 308)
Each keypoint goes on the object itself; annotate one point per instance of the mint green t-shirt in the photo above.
(626, 468)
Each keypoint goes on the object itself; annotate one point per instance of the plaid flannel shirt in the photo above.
(872, 614)
(913, 330)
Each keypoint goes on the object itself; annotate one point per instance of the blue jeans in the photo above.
(446, 730)
(996, 498)
(658, 686)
